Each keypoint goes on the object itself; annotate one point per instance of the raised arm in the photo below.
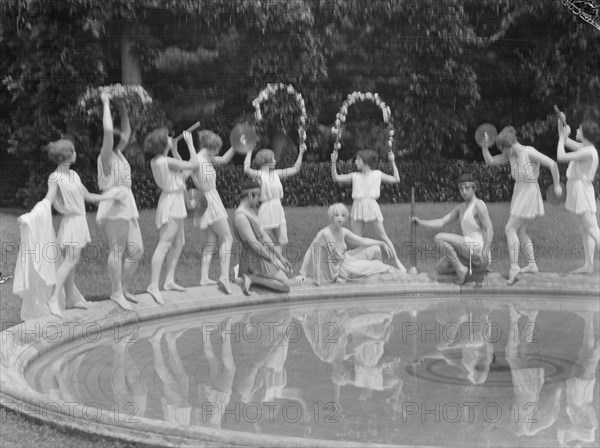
(125, 126)
(562, 125)
(341, 178)
(563, 156)
(536, 156)
(386, 178)
(108, 137)
(489, 159)
(225, 158)
(247, 166)
(292, 171)
(440, 222)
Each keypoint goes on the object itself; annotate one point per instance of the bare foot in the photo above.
(531, 268)
(129, 296)
(246, 284)
(512, 275)
(155, 293)
(157, 336)
(172, 286)
(461, 275)
(54, 308)
(120, 300)
(225, 286)
(585, 269)
(81, 304)
(207, 281)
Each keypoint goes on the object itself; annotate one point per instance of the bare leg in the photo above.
(172, 259)
(167, 235)
(280, 234)
(221, 228)
(357, 227)
(527, 250)
(279, 282)
(513, 224)
(450, 246)
(71, 256)
(210, 247)
(590, 234)
(117, 232)
(131, 257)
(381, 235)
(73, 296)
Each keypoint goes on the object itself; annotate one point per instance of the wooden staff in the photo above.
(413, 234)
(193, 127)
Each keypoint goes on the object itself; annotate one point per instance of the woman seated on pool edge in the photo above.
(261, 262)
(328, 260)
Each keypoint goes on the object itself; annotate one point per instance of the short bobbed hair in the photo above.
(264, 156)
(209, 140)
(337, 208)
(60, 150)
(368, 156)
(506, 138)
(591, 131)
(156, 142)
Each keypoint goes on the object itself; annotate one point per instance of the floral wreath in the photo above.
(270, 90)
(350, 100)
(90, 100)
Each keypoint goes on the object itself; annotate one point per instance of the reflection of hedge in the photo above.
(434, 182)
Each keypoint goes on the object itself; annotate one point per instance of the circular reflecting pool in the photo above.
(486, 371)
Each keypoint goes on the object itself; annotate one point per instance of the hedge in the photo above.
(434, 182)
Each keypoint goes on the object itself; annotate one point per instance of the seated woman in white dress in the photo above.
(328, 260)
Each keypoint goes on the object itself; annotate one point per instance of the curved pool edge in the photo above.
(23, 343)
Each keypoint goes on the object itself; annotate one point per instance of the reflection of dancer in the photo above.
(328, 259)
(270, 214)
(261, 262)
(129, 389)
(64, 373)
(214, 217)
(580, 388)
(120, 218)
(175, 381)
(581, 200)
(476, 227)
(470, 351)
(68, 195)
(215, 395)
(535, 410)
(365, 192)
(526, 201)
(168, 175)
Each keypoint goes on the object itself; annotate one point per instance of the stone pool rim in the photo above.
(17, 353)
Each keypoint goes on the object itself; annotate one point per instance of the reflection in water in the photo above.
(382, 372)
(580, 389)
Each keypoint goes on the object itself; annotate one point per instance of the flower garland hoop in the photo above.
(350, 100)
(272, 89)
(89, 102)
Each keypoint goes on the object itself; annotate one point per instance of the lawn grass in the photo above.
(556, 240)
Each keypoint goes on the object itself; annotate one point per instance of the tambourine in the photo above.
(243, 138)
(552, 198)
(490, 130)
(201, 202)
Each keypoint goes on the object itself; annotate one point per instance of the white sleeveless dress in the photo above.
(527, 198)
(70, 203)
(206, 177)
(118, 176)
(471, 229)
(270, 212)
(580, 190)
(171, 204)
(365, 192)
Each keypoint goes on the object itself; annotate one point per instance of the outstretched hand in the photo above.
(558, 191)
(416, 220)
(391, 156)
(302, 148)
(105, 96)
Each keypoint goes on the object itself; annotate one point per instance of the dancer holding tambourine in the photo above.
(526, 203)
(581, 199)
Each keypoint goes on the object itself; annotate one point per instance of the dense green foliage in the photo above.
(443, 67)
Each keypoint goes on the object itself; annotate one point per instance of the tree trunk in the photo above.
(131, 70)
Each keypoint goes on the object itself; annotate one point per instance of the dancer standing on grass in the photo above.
(68, 195)
(270, 214)
(581, 199)
(366, 184)
(474, 244)
(119, 218)
(168, 175)
(526, 201)
(213, 218)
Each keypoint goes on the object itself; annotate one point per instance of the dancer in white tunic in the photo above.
(366, 184)
(270, 214)
(581, 198)
(526, 202)
(169, 176)
(477, 233)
